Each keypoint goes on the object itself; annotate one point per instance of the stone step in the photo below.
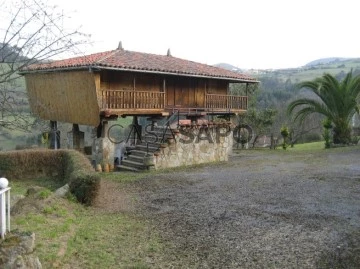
(132, 163)
(151, 148)
(136, 152)
(135, 158)
(122, 167)
(129, 148)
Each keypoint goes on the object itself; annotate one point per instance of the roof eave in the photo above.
(99, 67)
(51, 70)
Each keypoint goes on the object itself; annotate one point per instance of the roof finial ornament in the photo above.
(168, 52)
(120, 47)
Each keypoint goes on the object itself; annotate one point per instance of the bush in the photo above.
(355, 140)
(85, 187)
(67, 166)
(83, 181)
(284, 131)
(24, 164)
(327, 138)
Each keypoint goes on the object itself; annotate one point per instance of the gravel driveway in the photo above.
(262, 209)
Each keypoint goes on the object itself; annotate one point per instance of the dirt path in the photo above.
(259, 210)
(113, 198)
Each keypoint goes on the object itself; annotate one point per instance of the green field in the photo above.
(309, 73)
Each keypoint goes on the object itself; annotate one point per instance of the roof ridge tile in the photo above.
(111, 53)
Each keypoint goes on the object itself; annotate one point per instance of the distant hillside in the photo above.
(335, 66)
(327, 61)
(228, 67)
(279, 85)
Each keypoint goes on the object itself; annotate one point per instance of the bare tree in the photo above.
(300, 129)
(33, 32)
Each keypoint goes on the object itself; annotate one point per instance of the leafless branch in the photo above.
(30, 32)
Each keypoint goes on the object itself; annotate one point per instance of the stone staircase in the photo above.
(137, 156)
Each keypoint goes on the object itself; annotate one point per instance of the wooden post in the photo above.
(164, 97)
(134, 85)
(105, 128)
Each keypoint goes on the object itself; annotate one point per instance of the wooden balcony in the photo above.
(231, 103)
(127, 102)
(132, 102)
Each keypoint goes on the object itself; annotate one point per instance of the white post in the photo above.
(4, 211)
(8, 210)
(4, 216)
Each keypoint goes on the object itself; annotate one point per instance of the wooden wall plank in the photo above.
(217, 87)
(64, 96)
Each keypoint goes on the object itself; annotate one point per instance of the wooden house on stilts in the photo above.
(95, 89)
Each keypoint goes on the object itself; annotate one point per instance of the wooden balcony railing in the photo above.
(228, 102)
(127, 99)
(119, 99)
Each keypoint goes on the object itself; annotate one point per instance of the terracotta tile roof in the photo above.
(137, 61)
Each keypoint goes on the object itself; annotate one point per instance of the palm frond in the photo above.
(306, 105)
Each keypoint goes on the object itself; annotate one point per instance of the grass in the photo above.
(125, 177)
(7, 144)
(315, 147)
(311, 147)
(48, 228)
(19, 186)
(113, 241)
(71, 235)
(308, 146)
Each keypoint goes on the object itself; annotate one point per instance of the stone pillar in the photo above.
(76, 138)
(103, 147)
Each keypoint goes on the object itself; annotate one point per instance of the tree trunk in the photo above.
(342, 132)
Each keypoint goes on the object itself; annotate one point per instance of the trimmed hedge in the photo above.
(67, 166)
(25, 164)
(84, 182)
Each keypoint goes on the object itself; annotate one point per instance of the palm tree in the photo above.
(337, 101)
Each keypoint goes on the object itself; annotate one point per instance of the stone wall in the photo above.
(103, 148)
(17, 251)
(195, 145)
(103, 151)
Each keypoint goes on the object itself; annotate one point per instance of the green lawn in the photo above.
(69, 235)
(308, 146)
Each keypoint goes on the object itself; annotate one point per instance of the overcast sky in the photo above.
(244, 33)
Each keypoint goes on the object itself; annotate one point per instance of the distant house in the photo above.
(85, 89)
